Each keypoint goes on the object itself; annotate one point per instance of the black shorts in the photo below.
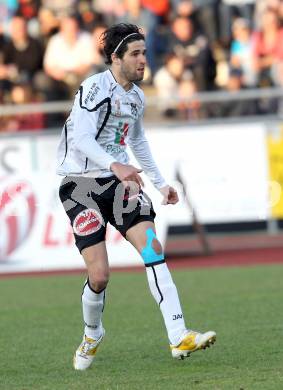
(91, 203)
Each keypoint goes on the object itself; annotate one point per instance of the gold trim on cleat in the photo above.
(191, 342)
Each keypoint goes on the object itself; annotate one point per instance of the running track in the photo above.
(224, 258)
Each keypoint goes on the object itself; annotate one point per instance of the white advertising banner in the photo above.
(224, 169)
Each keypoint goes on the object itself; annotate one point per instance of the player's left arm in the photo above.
(141, 150)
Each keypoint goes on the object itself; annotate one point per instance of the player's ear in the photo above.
(115, 59)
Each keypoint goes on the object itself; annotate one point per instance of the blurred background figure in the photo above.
(48, 25)
(173, 83)
(228, 11)
(241, 51)
(68, 58)
(7, 9)
(236, 108)
(23, 93)
(207, 18)
(268, 48)
(134, 13)
(28, 8)
(59, 7)
(111, 10)
(22, 55)
(157, 25)
(189, 109)
(166, 81)
(194, 49)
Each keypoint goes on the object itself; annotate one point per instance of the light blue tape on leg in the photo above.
(148, 253)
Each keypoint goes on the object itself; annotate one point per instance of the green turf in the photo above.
(41, 326)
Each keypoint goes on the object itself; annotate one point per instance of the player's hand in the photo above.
(127, 174)
(170, 195)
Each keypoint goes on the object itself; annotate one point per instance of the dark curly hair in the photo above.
(114, 35)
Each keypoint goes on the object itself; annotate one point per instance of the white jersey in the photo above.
(103, 120)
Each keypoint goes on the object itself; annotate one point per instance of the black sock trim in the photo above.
(84, 288)
(95, 292)
(155, 263)
(103, 301)
(156, 283)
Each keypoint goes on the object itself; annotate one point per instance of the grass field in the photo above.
(41, 326)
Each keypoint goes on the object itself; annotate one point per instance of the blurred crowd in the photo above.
(47, 47)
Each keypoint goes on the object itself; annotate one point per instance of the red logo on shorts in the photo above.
(87, 222)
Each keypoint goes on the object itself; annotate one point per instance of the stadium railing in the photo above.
(154, 101)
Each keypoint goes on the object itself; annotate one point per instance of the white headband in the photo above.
(119, 44)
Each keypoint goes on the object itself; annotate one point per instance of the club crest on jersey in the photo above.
(134, 110)
(87, 222)
(121, 133)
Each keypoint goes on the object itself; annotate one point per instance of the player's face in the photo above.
(132, 64)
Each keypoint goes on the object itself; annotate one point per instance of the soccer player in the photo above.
(100, 186)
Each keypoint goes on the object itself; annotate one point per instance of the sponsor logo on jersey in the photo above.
(87, 222)
(121, 133)
(117, 107)
(92, 93)
(116, 149)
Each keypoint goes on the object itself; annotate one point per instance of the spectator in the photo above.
(59, 7)
(28, 8)
(230, 9)
(193, 48)
(22, 55)
(136, 14)
(3, 41)
(241, 51)
(236, 108)
(48, 25)
(68, 57)
(110, 9)
(268, 48)
(174, 86)
(88, 17)
(22, 93)
(166, 81)
(158, 12)
(189, 109)
(207, 18)
(7, 9)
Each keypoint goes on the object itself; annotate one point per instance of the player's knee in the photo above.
(156, 246)
(99, 281)
(152, 253)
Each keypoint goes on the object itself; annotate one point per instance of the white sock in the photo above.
(93, 305)
(165, 293)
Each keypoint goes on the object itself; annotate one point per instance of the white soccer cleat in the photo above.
(191, 342)
(85, 353)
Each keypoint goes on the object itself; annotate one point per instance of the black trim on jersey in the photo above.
(155, 263)
(156, 283)
(66, 142)
(104, 101)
